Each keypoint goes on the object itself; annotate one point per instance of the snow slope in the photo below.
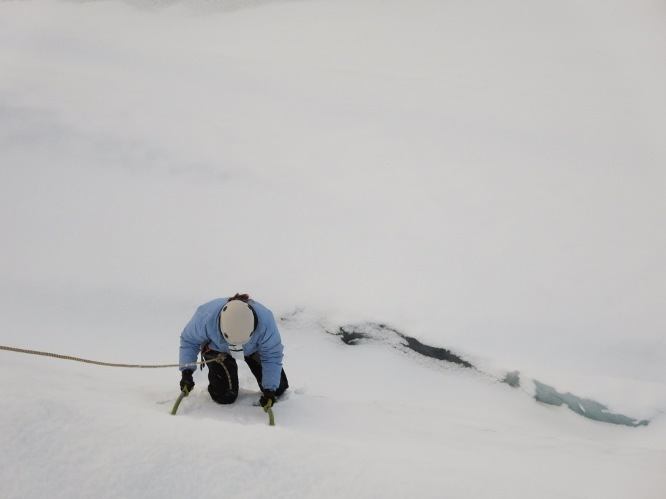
(341, 432)
(486, 176)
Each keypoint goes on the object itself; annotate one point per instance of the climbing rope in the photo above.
(97, 362)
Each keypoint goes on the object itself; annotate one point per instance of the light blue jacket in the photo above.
(204, 328)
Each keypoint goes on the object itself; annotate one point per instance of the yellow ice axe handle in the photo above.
(268, 409)
(182, 395)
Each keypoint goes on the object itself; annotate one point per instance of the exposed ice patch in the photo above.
(585, 407)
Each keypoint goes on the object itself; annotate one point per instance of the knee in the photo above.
(228, 397)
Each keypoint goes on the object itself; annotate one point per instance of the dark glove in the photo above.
(186, 382)
(268, 396)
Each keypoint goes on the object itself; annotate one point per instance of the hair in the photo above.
(242, 297)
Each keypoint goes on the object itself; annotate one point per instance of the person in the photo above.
(228, 328)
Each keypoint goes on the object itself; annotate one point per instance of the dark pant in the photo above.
(223, 377)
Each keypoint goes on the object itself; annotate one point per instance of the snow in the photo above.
(486, 177)
(105, 432)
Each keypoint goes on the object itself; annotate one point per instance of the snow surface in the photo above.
(485, 176)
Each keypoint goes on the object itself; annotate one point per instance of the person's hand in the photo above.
(186, 382)
(268, 399)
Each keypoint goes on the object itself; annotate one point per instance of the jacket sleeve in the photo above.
(191, 339)
(271, 353)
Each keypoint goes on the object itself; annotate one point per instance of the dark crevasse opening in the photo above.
(351, 334)
(434, 352)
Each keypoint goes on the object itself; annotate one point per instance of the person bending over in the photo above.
(228, 329)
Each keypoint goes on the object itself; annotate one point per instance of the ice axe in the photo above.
(268, 409)
(184, 393)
